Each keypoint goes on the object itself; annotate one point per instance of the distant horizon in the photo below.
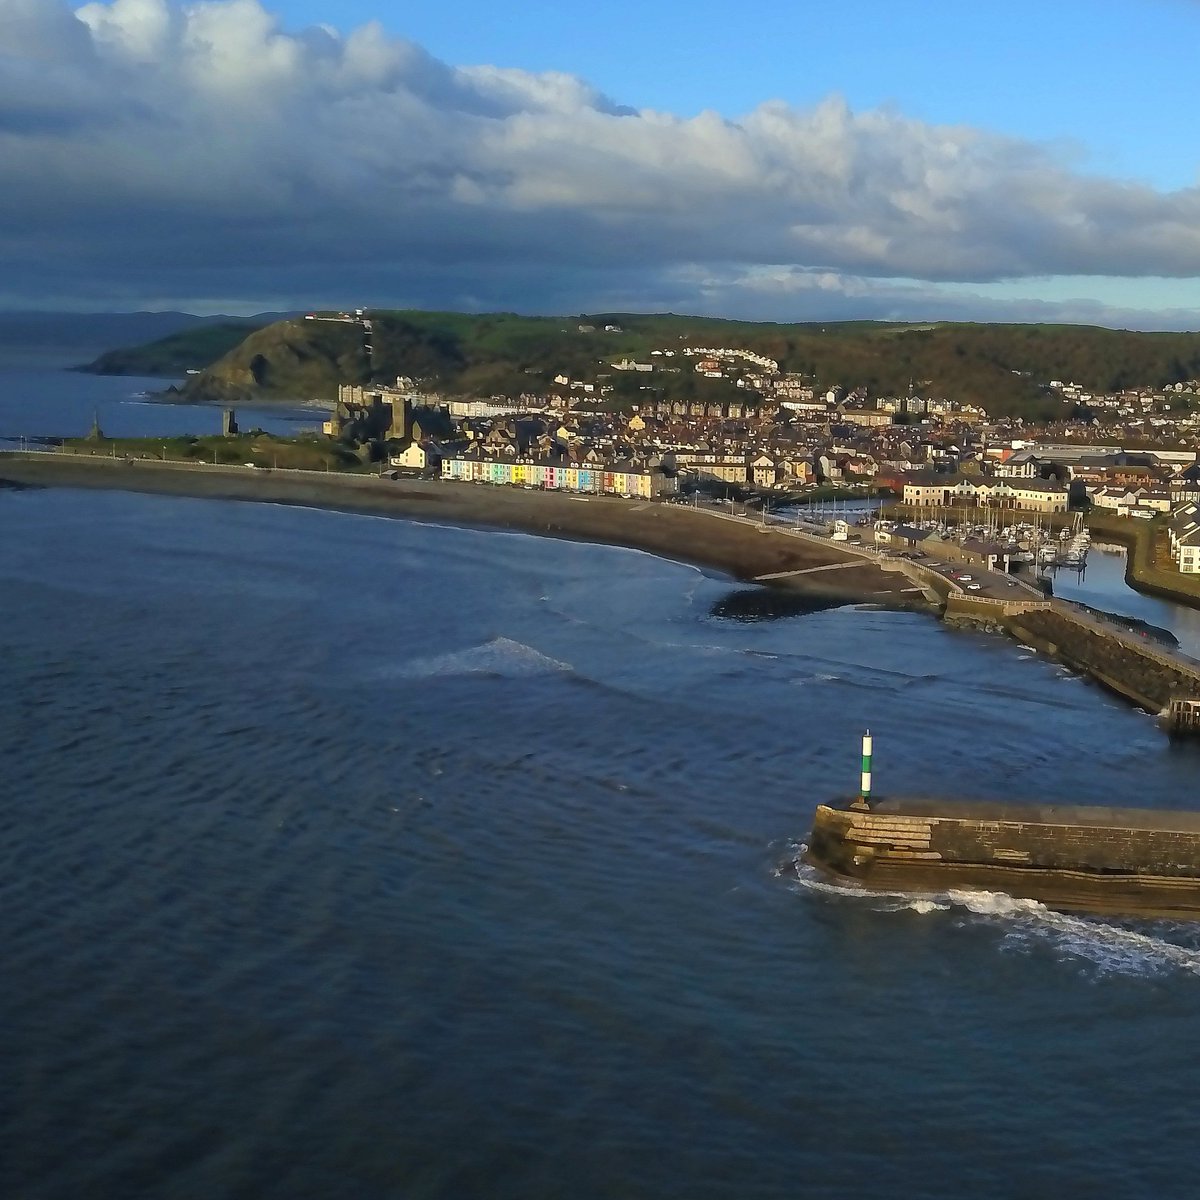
(292, 313)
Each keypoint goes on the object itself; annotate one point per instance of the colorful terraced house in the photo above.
(615, 479)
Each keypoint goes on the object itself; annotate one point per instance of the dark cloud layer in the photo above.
(153, 151)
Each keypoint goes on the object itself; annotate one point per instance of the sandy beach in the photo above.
(737, 547)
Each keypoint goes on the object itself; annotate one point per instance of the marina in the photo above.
(1023, 547)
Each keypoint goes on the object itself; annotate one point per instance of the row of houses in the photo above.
(632, 480)
(1131, 502)
(1032, 495)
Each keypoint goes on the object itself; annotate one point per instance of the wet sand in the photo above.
(740, 548)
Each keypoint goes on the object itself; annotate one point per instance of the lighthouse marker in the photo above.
(864, 795)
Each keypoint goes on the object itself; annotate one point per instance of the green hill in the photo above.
(1002, 367)
(190, 349)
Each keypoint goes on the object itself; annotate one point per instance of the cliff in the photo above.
(293, 360)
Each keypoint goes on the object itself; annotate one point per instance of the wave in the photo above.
(500, 657)
(1027, 926)
(822, 677)
(1112, 949)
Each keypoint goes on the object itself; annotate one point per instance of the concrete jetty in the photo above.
(1092, 859)
(1087, 859)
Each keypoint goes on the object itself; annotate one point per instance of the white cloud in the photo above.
(137, 30)
(148, 147)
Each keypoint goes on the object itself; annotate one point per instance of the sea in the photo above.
(42, 397)
(354, 857)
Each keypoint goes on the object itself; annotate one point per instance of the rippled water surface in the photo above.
(352, 857)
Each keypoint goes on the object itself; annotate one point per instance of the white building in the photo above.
(1184, 531)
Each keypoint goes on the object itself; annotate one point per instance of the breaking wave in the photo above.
(1112, 949)
(1028, 926)
(501, 657)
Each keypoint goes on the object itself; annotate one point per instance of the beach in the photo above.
(740, 548)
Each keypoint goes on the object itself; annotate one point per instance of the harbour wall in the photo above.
(1123, 868)
(1007, 843)
(1139, 671)
(1125, 663)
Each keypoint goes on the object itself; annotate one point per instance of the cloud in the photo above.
(152, 149)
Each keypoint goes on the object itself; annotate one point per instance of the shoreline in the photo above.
(737, 547)
(798, 569)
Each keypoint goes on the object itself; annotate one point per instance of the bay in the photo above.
(347, 856)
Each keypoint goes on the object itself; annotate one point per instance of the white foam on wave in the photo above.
(500, 657)
(1112, 949)
(804, 680)
(1027, 926)
(809, 878)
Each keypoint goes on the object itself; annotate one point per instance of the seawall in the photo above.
(1145, 674)
(1082, 858)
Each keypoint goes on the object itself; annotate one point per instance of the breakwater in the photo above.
(1082, 858)
(1131, 666)
(1126, 661)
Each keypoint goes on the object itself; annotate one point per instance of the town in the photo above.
(771, 436)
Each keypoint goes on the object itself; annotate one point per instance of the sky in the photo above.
(770, 160)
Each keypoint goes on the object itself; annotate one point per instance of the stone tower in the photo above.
(400, 429)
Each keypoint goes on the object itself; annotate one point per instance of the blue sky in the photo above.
(1109, 78)
(972, 160)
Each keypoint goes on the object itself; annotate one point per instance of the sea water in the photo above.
(344, 856)
(40, 400)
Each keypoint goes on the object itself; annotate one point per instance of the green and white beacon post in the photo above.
(864, 793)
